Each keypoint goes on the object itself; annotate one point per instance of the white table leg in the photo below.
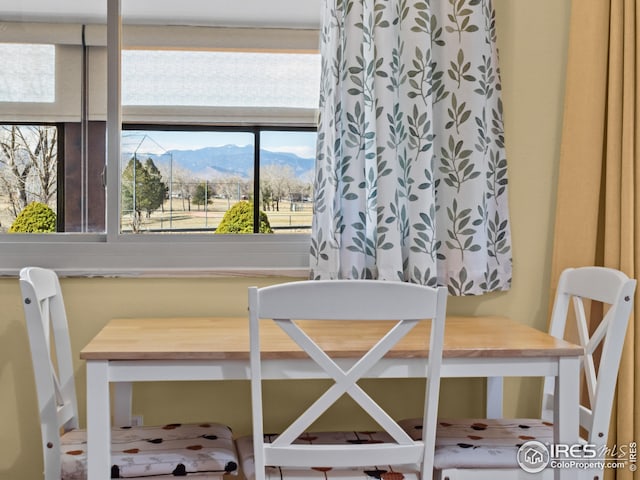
(495, 396)
(98, 421)
(122, 398)
(567, 399)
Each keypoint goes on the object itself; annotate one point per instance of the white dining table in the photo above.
(129, 350)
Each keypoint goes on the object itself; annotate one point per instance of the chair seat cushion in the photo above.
(325, 472)
(490, 443)
(205, 449)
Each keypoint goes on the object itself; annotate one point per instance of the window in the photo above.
(187, 178)
(252, 104)
(184, 179)
(28, 170)
(286, 179)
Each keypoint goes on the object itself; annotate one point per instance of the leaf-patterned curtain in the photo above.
(411, 174)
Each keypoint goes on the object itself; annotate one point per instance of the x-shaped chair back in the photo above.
(579, 288)
(289, 305)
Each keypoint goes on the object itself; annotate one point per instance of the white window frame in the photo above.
(124, 254)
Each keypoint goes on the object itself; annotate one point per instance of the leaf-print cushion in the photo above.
(202, 450)
(490, 443)
(325, 472)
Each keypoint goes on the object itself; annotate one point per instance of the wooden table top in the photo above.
(228, 338)
(220, 338)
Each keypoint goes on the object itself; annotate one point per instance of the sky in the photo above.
(299, 143)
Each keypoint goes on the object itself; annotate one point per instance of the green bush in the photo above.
(34, 218)
(239, 219)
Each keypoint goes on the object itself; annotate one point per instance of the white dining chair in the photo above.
(488, 448)
(204, 450)
(299, 452)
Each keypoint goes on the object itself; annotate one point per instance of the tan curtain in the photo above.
(598, 211)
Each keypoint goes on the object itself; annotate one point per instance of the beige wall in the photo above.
(532, 38)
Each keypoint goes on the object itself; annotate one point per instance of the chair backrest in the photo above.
(289, 305)
(580, 288)
(48, 333)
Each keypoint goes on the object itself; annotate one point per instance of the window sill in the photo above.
(169, 256)
(185, 273)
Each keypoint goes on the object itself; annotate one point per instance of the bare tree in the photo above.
(234, 188)
(43, 156)
(15, 170)
(276, 182)
(28, 165)
(182, 186)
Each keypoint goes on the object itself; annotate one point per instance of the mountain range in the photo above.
(227, 160)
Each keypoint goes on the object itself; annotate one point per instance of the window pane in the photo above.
(224, 79)
(27, 73)
(287, 162)
(185, 180)
(28, 173)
